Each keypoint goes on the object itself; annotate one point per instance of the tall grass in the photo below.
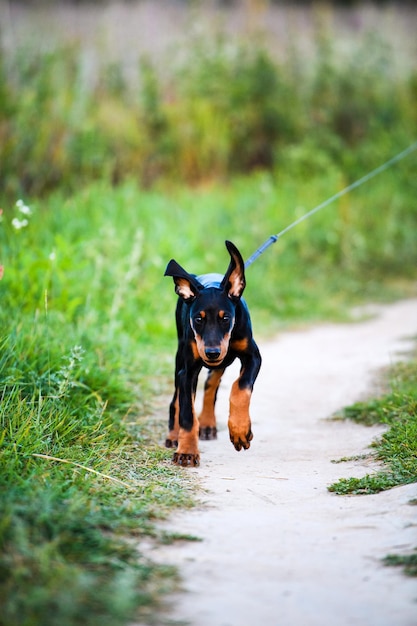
(218, 108)
(75, 481)
(80, 472)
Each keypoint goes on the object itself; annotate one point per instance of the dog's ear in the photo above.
(234, 280)
(186, 285)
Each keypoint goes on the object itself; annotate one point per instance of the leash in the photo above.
(273, 238)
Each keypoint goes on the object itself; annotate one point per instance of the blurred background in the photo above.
(198, 90)
(145, 130)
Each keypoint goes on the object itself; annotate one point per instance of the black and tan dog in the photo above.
(214, 328)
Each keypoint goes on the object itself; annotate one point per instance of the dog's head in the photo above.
(211, 301)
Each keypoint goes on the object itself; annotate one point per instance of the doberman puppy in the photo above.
(214, 327)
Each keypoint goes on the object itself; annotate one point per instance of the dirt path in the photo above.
(277, 548)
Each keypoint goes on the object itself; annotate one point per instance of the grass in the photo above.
(408, 562)
(397, 448)
(93, 206)
(78, 483)
(75, 487)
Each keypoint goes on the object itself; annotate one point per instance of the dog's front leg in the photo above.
(172, 440)
(239, 423)
(207, 417)
(173, 423)
(187, 453)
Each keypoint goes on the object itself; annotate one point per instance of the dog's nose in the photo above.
(212, 354)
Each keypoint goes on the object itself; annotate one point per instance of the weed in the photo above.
(356, 457)
(408, 562)
(170, 538)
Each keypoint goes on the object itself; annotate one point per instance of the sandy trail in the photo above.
(277, 548)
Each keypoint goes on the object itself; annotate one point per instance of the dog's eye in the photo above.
(198, 320)
(226, 319)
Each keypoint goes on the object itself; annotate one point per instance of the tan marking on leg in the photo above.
(239, 421)
(207, 418)
(239, 344)
(188, 454)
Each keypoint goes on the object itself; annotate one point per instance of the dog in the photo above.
(214, 328)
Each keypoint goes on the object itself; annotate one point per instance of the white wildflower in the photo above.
(18, 224)
(23, 208)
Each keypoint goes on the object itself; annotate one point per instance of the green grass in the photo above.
(407, 561)
(65, 553)
(81, 476)
(397, 448)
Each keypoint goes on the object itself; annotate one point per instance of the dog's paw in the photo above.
(207, 433)
(240, 439)
(186, 460)
(172, 439)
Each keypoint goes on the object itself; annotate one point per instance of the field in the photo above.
(102, 183)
